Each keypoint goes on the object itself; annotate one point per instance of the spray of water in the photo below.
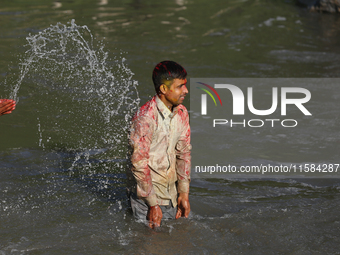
(84, 99)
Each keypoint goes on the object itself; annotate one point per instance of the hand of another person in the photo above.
(6, 106)
(154, 216)
(183, 205)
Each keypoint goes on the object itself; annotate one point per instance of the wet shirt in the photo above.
(160, 141)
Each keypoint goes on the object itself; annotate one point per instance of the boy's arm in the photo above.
(140, 140)
(183, 156)
(183, 167)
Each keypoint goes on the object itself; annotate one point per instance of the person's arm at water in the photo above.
(140, 140)
(6, 106)
(155, 216)
(183, 167)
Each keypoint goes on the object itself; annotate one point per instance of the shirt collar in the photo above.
(165, 111)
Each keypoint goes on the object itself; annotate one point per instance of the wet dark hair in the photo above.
(165, 72)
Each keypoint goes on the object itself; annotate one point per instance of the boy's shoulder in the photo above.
(146, 110)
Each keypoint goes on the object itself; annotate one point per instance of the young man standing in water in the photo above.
(160, 141)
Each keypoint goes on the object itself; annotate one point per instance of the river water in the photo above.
(63, 150)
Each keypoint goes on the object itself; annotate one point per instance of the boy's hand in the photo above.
(6, 106)
(183, 205)
(154, 216)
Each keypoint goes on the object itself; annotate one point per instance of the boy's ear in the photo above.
(163, 89)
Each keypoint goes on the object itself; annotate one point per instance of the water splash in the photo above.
(84, 99)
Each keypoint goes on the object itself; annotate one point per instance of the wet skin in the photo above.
(6, 106)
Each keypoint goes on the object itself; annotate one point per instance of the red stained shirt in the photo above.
(160, 141)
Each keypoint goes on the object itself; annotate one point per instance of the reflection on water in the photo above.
(63, 150)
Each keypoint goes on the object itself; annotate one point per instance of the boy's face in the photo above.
(175, 94)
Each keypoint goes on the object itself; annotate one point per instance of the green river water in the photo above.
(63, 149)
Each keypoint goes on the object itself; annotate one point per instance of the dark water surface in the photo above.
(63, 150)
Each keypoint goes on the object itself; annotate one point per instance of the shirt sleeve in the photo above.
(183, 156)
(140, 141)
